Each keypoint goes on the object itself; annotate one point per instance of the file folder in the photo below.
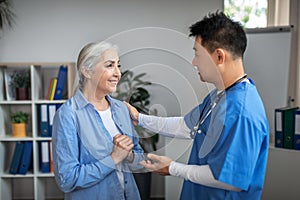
(26, 157)
(45, 159)
(44, 129)
(51, 158)
(61, 82)
(15, 163)
(284, 127)
(297, 129)
(51, 113)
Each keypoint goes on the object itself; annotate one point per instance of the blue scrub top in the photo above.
(233, 142)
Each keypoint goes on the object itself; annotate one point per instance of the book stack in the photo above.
(287, 128)
(51, 89)
(57, 85)
(22, 157)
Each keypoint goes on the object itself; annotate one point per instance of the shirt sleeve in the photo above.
(69, 172)
(138, 153)
(200, 174)
(167, 126)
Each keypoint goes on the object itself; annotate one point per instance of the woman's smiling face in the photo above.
(107, 73)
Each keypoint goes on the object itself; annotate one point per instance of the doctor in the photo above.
(230, 129)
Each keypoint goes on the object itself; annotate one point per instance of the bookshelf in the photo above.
(34, 184)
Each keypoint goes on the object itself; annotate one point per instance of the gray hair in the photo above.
(89, 57)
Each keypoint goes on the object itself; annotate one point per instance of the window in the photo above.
(259, 13)
(251, 13)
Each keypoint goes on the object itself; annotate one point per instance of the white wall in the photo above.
(259, 61)
(55, 31)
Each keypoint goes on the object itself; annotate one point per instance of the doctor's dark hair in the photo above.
(219, 31)
(89, 57)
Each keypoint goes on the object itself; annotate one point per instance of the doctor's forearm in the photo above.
(167, 126)
(200, 174)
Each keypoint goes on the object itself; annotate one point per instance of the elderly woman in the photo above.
(94, 142)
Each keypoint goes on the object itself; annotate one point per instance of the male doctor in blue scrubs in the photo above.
(229, 128)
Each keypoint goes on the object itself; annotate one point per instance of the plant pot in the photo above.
(19, 130)
(22, 94)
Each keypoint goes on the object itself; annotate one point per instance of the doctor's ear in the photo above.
(220, 54)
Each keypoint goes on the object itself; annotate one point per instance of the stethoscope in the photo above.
(204, 116)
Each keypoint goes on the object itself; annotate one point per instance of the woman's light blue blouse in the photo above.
(82, 146)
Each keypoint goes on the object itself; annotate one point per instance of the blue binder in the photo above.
(51, 113)
(15, 163)
(278, 129)
(297, 129)
(61, 82)
(26, 158)
(44, 129)
(45, 157)
(284, 127)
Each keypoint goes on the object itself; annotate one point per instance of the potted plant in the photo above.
(19, 120)
(131, 88)
(20, 80)
(7, 15)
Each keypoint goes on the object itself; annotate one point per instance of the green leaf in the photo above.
(19, 117)
(20, 79)
(131, 88)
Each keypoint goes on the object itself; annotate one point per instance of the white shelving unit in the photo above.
(34, 184)
(282, 177)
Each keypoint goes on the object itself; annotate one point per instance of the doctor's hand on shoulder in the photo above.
(134, 114)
